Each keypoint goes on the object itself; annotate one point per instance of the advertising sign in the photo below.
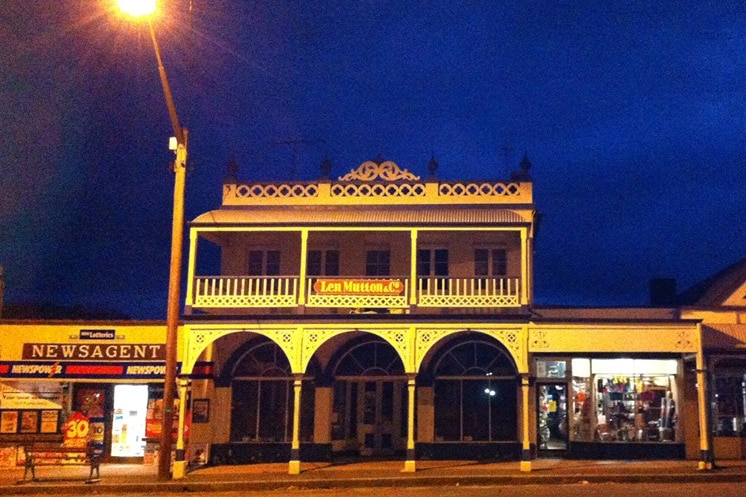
(27, 395)
(76, 431)
(335, 286)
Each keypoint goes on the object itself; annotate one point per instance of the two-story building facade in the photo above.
(385, 314)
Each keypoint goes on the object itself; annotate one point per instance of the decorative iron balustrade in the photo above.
(381, 292)
(378, 190)
(277, 190)
(246, 291)
(483, 189)
(444, 291)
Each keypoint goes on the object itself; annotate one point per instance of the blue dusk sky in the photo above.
(633, 114)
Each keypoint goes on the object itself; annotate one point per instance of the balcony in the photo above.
(237, 292)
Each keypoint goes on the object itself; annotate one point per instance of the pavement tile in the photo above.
(124, 478)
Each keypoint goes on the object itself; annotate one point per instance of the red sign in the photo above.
(77, 430)
(324, 286)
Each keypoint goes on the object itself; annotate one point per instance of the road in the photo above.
(585, 490)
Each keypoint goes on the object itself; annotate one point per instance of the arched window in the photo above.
(371, 358)
(370, 402)
(475, 393)
(262, 397)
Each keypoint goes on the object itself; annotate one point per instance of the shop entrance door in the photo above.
(552, 416)
(379, 420)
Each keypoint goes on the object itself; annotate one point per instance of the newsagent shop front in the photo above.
(100, 381)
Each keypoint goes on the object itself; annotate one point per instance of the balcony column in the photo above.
(303, 267)
(525, 258)
(410, 463)
(706, 455)
(526, 432)
(294, 465)
(414, 287)
(193, 236)
(180, 464)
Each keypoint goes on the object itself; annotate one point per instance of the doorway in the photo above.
(376, 432)
(371, 411)
(552, 428)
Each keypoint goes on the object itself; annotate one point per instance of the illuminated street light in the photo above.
(146, 9)
(137, 8)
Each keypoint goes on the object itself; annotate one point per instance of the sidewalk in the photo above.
(123, 478)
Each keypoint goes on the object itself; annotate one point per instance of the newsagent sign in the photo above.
(94, 352)
(329, 286)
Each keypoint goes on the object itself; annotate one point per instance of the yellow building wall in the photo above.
(628, 339)
(13, 336)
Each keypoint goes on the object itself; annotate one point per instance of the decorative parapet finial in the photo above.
(2, 289)
(523, 174)
(326, 167)
(385, 171)
(432, 166)
(232, 169)
(525, 164)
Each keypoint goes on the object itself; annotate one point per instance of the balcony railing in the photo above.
(246, 291)
(354, 292)
(444, 291)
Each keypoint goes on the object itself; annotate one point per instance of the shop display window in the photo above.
(729, 405)
(624, 400)
(31, 408)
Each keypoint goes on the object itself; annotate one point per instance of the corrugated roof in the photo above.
(716, 289)
(358, 216)
(723, 336)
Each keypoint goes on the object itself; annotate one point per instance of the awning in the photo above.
(371, 216)
(724, 336)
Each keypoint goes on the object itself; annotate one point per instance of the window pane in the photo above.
(377, 263)
(423, 262)
(255, 262)
(371, 263)
(499, 262)
(441, 262)
(313, 263)
(481, 262)
(447, 410)
(332, 263)
(273, 263)
(476, 399)
(243, 411)
(274, 410)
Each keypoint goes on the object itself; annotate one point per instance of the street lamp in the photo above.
(145, 9)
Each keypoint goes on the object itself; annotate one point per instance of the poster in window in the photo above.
(9, 422)
(90, 400)
(49, 421)
(29, 421)
(201, 411)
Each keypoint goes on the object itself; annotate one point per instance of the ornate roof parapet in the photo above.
(385, 171)
(378, 183)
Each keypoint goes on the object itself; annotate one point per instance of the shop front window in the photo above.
(729, 404)
(624, 400)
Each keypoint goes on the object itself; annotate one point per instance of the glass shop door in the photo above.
(551, 418)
